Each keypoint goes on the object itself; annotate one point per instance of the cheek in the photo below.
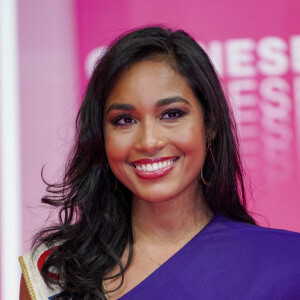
(116, 147)
(191, 140)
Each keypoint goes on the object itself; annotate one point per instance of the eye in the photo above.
(172, 114)
(123, 120)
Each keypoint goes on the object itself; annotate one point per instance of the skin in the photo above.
(140, 124)
(150, 131)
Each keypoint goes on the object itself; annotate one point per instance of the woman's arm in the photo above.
(24, 294)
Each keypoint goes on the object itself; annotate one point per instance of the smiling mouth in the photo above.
(154, 165)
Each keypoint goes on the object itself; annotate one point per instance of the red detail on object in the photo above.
(42, 260)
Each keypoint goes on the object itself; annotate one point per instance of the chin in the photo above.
(156, 196)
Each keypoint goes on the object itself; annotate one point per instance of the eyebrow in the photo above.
(170, 100)
(160, 103)
(120, 106)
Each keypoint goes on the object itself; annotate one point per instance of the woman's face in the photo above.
(154, 132)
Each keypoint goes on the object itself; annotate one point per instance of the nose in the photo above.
(149, 138)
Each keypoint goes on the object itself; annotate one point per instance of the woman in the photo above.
(152, 202)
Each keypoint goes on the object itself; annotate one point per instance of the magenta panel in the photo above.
(255, 46)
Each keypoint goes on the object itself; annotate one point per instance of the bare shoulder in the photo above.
(24, 294)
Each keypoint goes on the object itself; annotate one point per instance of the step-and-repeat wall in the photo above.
(255, 46)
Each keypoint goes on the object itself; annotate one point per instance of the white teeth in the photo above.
(155, 166)
(149, 168)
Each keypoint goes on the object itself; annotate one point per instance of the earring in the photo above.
(116, 185)
(209, 148)
(202, 178)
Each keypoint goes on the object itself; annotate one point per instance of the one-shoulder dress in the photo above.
(227, 259)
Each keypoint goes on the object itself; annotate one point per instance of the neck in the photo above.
(170, 222)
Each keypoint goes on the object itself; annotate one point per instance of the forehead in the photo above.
(147, 82)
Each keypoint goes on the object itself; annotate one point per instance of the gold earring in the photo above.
(209, 141)
(202, 178)
(116, 185)
(210, 150)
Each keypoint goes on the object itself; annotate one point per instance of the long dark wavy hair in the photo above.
(95, 217)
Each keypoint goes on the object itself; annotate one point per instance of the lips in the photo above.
(154, 168)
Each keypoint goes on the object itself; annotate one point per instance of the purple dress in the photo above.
(228, 260)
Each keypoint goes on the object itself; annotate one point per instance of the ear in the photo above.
(210, 134)
(211, 128)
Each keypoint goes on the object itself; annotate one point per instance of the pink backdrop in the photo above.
(255, 46)
(48, 101)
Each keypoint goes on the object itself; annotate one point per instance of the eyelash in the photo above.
(176, 111)
(179, 114)
(116, 121)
